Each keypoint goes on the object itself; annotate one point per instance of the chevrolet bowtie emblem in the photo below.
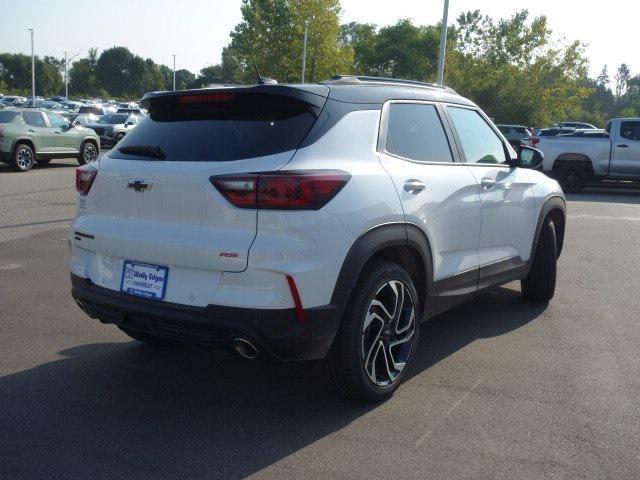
(139, 185)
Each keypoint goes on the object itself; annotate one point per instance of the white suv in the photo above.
(316, 221)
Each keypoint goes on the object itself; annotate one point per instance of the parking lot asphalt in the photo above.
(500, 388)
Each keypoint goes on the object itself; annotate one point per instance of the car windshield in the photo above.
(112, 119)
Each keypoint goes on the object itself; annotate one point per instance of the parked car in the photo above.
(113, 127)
(583, 157)
(13, 100)
(553, 132)
(29, 136)
(82, 119)
(516, 135)
(316, 221)
(93, 109)
(582, 125)
(132, 111)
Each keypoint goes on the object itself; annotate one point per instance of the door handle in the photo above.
(622, 145)
(57, 131)
(30, 130)
(488, 183)
(413, 186)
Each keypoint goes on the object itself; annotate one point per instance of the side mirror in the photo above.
(529, 157)
(128, 124)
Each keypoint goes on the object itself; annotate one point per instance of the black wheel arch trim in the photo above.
(26, 140)
(373, 241)
(552, 203)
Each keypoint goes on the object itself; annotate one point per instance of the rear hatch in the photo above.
(152, 199)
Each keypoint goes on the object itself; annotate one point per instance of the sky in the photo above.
(196, 30)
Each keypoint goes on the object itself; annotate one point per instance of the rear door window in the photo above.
(415, 131)
(220, 127)
(479, 142)
(35, 119)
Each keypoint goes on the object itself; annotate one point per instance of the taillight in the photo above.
(534, 141)
(301, 190)
(239, 190)
(84, 178)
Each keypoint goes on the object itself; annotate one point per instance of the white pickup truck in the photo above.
(582, 157)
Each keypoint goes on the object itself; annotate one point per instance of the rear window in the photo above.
(7, 117)
(94, 110)
(220, 127)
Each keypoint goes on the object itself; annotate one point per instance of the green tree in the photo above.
(363, 38)
(115, 70)
(270, 37)
(82, 75)
(407, 51)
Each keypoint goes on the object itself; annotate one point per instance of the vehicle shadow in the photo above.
(54, 164)
(608, 194)
(131, 411)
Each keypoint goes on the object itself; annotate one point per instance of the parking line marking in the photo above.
(449, 412)
(9, 266)
(604, 217)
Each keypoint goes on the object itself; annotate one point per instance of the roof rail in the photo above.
(356, 79)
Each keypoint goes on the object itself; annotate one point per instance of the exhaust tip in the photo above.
(245, 348)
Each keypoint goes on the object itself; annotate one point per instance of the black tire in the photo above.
(88, 153)
(23, 158)
(572, 179)
(345, 367)
(43, 162)
(540, 283)
(119, 137)
(148, 338)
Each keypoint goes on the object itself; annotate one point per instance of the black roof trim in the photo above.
(364, 79)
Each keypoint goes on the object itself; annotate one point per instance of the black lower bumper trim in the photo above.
(276, 332)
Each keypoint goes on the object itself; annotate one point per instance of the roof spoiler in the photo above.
(315, 99)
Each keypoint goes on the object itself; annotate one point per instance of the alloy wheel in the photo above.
(89, 154)
(388, 333)
(25, 158)
(572, 179)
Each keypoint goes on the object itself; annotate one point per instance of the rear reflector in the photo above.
(301, 190)
(84, 178)
(296, 299)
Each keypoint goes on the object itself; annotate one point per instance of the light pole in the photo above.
(174, 73)
(304, 51)
(33, 72)
(66, 83)
(443, 43)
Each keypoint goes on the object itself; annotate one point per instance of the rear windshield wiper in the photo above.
(152, 151)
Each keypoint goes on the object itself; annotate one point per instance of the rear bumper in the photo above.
(276, 332)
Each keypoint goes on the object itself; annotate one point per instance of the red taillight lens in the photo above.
(534, 141)
(302, 190)
(238, 190)
(309, 190)
(84, 178)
